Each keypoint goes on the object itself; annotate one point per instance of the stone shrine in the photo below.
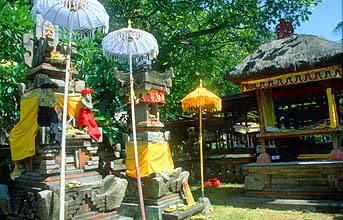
(162, 184)
(35, 145)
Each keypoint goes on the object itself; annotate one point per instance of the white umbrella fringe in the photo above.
(96, 17)
(144, 45)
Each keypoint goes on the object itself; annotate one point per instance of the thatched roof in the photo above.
(287, 55)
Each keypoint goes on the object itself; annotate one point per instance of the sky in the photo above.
(323, 20)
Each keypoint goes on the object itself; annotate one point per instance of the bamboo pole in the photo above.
(201, 154)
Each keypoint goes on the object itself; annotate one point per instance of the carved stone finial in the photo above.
(129, 23)
(284, 29)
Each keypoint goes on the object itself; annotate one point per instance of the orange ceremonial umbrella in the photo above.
(198, 100)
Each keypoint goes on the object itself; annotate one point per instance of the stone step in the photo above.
(323, 206)
(183, 214)
(124, 218)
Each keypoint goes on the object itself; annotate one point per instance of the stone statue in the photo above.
(86, 119)
(47, 116)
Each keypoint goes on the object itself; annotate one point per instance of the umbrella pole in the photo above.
(201, 154)
(64, 130)
(133, 118)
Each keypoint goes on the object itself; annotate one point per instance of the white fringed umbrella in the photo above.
(72, 15)
(124, 45)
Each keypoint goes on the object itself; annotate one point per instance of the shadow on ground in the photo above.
(222, 195)
(234, 195)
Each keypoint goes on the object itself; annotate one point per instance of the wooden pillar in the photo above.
(264, 157)
(333, 117)
(260, 120)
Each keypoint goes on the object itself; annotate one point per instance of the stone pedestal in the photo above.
(87, 194)
(154, 209)
(35, 192)
(161, 183)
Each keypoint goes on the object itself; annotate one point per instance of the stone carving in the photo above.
(45, 205)
(4, 201)
(114, 191)
(158, 184)
(284, 29)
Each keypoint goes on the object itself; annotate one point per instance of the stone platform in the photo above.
(297, 180)
(322, 206)
(177, 215)
(153, 208)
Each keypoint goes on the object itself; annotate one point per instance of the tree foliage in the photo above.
(98, 74)
(202, 39)
(199, 39)
(15, 20)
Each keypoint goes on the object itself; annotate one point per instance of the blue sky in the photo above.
(323, 20)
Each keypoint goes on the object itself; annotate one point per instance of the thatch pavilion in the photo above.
(289, 69)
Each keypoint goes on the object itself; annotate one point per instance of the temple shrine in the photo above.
(36, 148)
(162, 183)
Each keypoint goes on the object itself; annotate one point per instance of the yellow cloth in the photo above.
(332, 109)
(74, 104)
(267, 107)
(152, 158)
(22, 136)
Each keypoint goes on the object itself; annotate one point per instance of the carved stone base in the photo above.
(155, 211)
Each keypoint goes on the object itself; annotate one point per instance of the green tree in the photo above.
(98, 74)
(15, 20)
(202, 39)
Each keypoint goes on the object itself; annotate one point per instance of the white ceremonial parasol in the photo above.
(72, 15)
(124, 45)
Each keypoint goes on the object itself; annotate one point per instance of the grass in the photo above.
(225, 208)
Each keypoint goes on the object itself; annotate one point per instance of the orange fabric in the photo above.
(152, 158)
(74, 104)
(201, 97)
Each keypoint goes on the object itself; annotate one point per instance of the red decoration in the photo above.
(336, 155)
(151, 96)
(87, 91)
(284, 29)
(86, 119)
(212, 183)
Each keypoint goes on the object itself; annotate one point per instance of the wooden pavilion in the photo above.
(229, 138)
(304, 72)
